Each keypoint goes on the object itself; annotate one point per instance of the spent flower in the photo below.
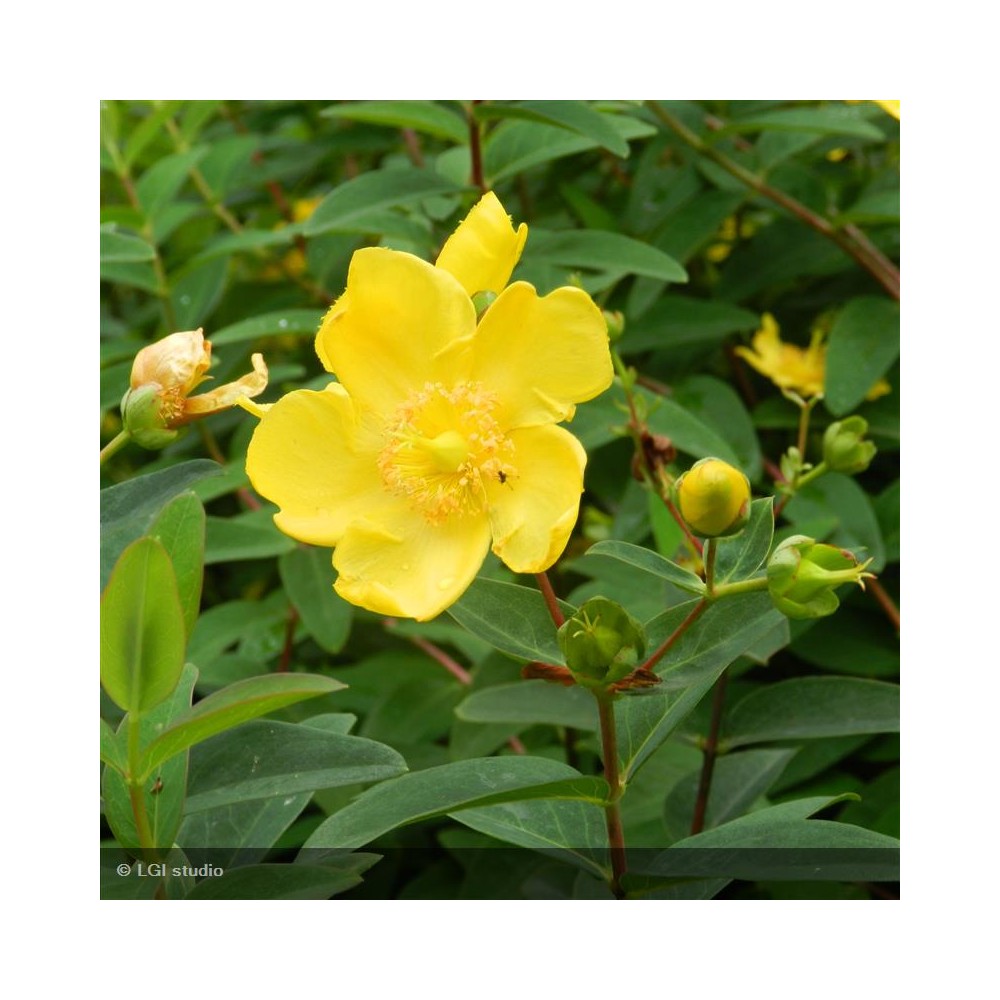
(164, 374)
(439, 440)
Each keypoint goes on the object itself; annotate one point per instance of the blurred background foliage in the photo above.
(241, 218)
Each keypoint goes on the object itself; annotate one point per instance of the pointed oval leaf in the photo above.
(648, 562)
(142, 628)
(180, 528)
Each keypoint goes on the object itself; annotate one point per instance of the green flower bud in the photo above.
(714, 498)
(602, 642)
(145, 417)
(802, 574)
(843, 447)
(616, 324)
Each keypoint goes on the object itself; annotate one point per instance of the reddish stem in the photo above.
(665, 646)
(711, 750)
(885, 602)
(551, 602)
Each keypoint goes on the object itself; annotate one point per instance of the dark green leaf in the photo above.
(435, 792)
(823, 121)
(180, 529)
(603, 251)
(649, 562)
(864, 342)
(428, 117)
(128, 509)
(349, 203)
(813, 707)
(142, 628)
(117, 248)
(687, 432)
(513, 619)
(308, 576)
(530, 703)
(266, 759)
(739, 557)
(287, 322)
(277, 881)
(228, 540)
(233, 705)
(161, 182)
(679, 321)
(576, 116)
(196, 292)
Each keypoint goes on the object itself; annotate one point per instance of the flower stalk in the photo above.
(115, 445)
(612, 775)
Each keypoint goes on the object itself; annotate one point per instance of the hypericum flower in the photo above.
(439, 437)
(714, 498)
(158, 401)
(799, 369)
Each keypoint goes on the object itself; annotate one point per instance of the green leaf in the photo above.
(142, 628)
(161, 182)
(680, 321)
(571, 830)
(853, 641)
(247, 240)
(510, 618)
(286, 322)
(603, 251)
(240, 833)
(117, 248)
(738, 780)
(724, 632)
(718, 405)
(277, 881)
(180, 529)
(229, 540)
(739, 557)
(112, 752)
(307, 575)
(530, 703)
(347, 204)
(196, 292)
(872, 207)
(686, 431)
(822, 121)
(516, 146)
(233, 705)
(436, 792)
(813, 707)
(428, 117)
(264, 759)
(863, 344)
(576, 116)
(839, 496)
(128, 509)
(150, 128)
(648, 562)
(164, 789)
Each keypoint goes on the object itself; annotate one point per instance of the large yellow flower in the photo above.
(799, 369)
(440, 437)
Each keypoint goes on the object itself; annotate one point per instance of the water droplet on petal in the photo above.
(406, 567)
(445, 582)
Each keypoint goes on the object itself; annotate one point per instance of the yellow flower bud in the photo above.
(714, 498)
(163, 376)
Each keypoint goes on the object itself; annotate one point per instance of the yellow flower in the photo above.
(440, 437)
(799, 369)
(165, 373)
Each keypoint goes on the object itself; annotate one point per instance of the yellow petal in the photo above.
(484, 249)
(541, 355)
(533, 511)
(400, 564)
(312, 456)
(889, 107)
(400, 323)
(879, 389)
(221, 398)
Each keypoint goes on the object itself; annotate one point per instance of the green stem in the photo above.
(710, 547)
(875, 263)
(812, 474)
(115, 445)
(740, 587)
(135, 788)
(612, 812)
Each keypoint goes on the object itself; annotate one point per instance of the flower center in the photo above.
(441, 447)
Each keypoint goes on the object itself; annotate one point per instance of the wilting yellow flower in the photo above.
(800, 369)
(440, 437)
(163, 376)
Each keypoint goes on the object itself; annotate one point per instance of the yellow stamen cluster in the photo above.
(442, 445)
